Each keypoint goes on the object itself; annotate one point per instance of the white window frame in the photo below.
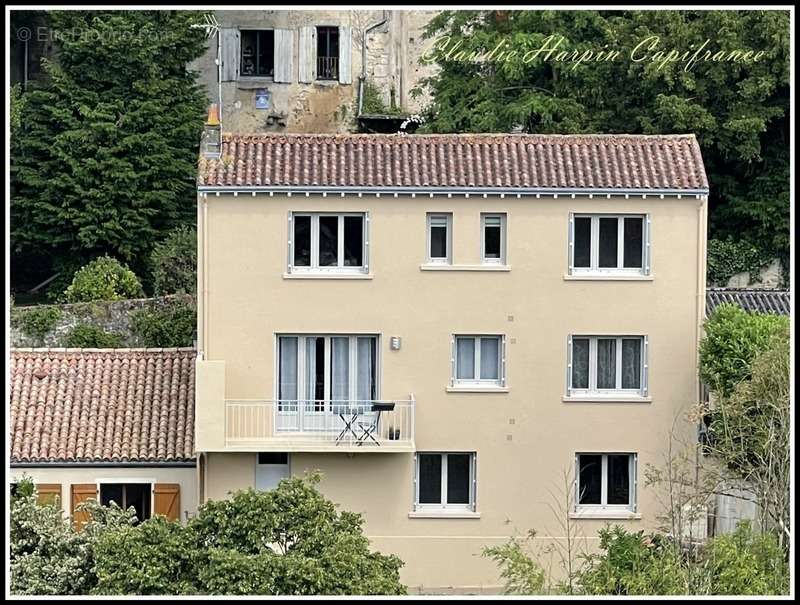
(592, 390)
(340, 266)
(633, 465)
(448, 260)
(500, 381)
(503, 220)
(620, 269)
(352, 379)
(444, 506)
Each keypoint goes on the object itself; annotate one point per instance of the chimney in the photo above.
(211, 142)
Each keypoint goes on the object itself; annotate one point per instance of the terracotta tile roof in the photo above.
(110, 405)
(509, 161)
(750, 299)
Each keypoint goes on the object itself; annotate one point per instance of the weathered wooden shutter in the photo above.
(48, 493)
(167, 500)
(284, 55)
(345, 55)
(306, 54)
(229, 53)
(81, 492)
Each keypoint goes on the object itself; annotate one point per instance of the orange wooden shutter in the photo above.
(48, 493)
(167, 500)
(81, 492)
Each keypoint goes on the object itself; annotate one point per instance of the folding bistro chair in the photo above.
(370, 428)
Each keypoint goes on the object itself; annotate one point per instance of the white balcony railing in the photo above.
(312, 425)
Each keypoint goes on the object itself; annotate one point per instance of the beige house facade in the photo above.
(461, 332)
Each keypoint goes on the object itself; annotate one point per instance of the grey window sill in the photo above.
(312, 275)
(252, 82)
(607, 277)
(447, 267)
(605, 514)
(431, 514)
(476, 389)
(606, 399)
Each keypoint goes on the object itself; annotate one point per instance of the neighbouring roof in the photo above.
(102, 405)
(750, 299)
(646, 163)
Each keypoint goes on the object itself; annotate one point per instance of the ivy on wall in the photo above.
(727, 257)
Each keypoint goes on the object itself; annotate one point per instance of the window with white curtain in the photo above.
(493, 239)
(325, 373)
(325, 242)
(600, 365)
(605, 482)
(478, 361)
(609, 243)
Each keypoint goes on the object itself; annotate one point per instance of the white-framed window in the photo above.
(445, 481)
(607, 365)
(493, 238)
(328, 242)
(609, 244)
(440, 238)
(478, 360)
(322, 373)
(605, 482)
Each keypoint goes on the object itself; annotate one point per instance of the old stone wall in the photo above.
(110, 316)
(393, 51)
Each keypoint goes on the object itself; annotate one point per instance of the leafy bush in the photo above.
(726, 258)
(172, 325)
(37, 322)
(633, 564)
(290, 540)
(521, 572)
(174, 263)
(88, 336)
(733, 338)
(747, 563)
(104, 278)
(47, 555)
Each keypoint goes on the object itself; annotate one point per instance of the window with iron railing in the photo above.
(327, 53)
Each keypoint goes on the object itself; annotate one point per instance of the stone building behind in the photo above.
(302, 71)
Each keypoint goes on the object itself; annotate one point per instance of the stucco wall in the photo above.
(186, 477)
(393, 51)
(526, 438)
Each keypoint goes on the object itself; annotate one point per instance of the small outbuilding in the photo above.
(109, 424)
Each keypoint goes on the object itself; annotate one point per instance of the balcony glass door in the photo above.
(338, 375)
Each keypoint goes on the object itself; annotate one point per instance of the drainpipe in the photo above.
(363, 77)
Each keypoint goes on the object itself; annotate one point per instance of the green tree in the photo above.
(286, 541)
(174, 263)
(105, 158)
(104, 278)
(733, 339)
(48, 557)
(171, 324)
(739, 112)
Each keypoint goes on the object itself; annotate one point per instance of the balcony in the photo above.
(319, 426)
